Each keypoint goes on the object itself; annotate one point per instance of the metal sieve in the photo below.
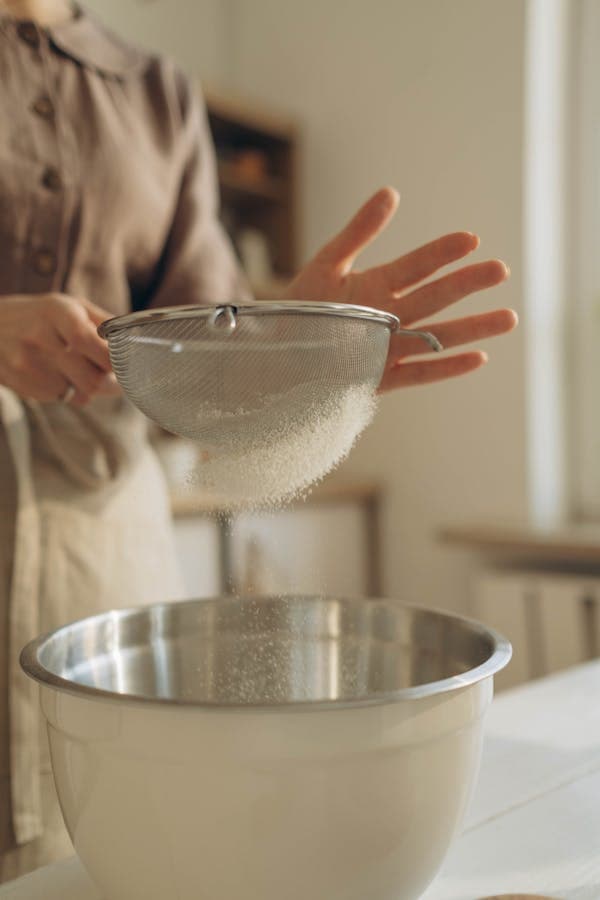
(209, 373)
(243, 381)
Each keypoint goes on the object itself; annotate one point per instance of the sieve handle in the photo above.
(427, 336)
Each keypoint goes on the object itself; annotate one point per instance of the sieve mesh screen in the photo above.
(273, 403)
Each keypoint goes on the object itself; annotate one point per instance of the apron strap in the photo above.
(23, 627)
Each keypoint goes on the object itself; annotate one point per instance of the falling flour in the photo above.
(255, 466)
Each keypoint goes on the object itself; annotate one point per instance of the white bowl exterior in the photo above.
(251, 805)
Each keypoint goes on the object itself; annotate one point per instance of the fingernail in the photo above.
(389, 196)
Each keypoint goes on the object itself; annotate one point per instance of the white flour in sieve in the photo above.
(252, 471)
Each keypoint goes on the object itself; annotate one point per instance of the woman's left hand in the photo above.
(394, 287)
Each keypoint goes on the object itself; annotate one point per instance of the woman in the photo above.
(107, 204)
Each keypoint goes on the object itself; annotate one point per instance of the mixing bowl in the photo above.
(298, 748)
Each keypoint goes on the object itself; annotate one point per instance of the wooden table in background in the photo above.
(366, 496)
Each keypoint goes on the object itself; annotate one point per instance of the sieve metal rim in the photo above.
(282, 307)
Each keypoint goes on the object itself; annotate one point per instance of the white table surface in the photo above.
(534, 825)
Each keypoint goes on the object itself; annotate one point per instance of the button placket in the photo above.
(43, 107)
(51, 179)
(47, 226)
(29, 33)
(45, 262)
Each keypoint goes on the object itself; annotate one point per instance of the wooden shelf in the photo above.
(250, 116)
(194, 503)
(568, 544)
(268, 188)
(257, 157)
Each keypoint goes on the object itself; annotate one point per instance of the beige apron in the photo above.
(91, 531)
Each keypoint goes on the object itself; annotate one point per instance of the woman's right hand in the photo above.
(49, 342)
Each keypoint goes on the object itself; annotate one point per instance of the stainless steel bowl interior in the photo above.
(267, 652)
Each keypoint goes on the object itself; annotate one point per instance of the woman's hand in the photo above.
(48, 343)
(393, 287)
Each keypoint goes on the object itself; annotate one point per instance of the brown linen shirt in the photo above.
(107, 176)
(107, 192)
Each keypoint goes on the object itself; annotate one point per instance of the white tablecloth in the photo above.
(534, 826)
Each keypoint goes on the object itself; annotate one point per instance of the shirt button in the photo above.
(29, 33)
(51, 179)
(45, 262)
(44, 107)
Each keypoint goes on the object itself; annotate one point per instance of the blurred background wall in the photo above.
(194, 32)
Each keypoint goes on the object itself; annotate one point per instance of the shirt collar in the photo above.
(97, 47)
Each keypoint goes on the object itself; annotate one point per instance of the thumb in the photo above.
(96, 313)
(365, 225)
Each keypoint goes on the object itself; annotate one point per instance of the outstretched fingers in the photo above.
(365, 225)
(401, 371)
(434, 296)
(413, 267)
(407, 374)
(455, 332)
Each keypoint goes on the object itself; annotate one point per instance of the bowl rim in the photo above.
(498, 659)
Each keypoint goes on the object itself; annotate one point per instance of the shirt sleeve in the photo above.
(198, 264)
